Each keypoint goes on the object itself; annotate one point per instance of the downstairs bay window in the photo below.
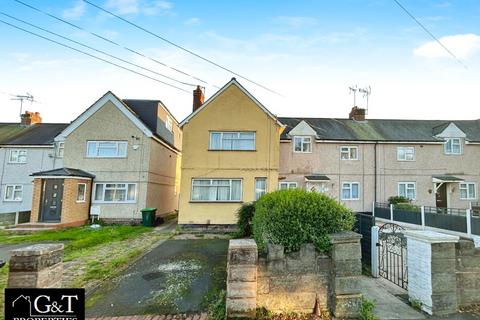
(216, 190)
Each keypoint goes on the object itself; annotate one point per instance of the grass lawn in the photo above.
(78, 241)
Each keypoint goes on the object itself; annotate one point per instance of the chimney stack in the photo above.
(198, 98)
(30, 118)
(357, 114)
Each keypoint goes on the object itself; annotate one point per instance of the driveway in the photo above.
(175, 277)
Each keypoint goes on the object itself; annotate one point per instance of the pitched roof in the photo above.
(64, 172)
(37, 134)
(381, 129)
(220, 91)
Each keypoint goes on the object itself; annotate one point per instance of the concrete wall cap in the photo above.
(430, 236)
(37, 249)
(345, 236)
(242, 243)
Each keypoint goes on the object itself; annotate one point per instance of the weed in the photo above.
(366, 310)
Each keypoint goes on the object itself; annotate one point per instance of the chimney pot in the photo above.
(30, 118)
(357, 114)
(198, 98)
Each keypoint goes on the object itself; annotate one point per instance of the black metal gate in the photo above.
(392, 254)
(363, 225)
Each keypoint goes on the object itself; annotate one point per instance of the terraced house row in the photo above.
(120, 156)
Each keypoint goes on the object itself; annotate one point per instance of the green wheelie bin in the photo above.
(148, 217)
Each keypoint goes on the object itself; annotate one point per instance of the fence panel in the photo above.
(450, 222)
(401, 215)
(363, 225)
(382, 210)
(475, 223)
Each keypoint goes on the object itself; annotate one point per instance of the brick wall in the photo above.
(73, 211)
(36, 199)
(468, 273)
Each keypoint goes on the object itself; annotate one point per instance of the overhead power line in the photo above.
(97, 50)
(113, 42)
(178, 46)
(93, 56)
(430, 34)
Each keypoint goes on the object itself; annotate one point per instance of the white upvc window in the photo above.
(107, 149)
(453, 146)
(13, 192)
(240, 141)
(216, 190)
(287, 185)
(60, 149)
(350, 191)
(406, 153)
(81, 192)
(18, 156)
(407, 190)
(349, 153)
(113, 192)
(468, 191)
(169, 124)
(302, 144)
(260, 187)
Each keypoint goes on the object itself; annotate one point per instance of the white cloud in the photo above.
(75, 12)
(148, 8)
(192, 21)
(296, 22)
(462, 45)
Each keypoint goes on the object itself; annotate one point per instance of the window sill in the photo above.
(80, 201)
(17, 163)
(5, 200)
(232, 150)
(193, 201)
(302, 152)
(350, 199)
(114, 202)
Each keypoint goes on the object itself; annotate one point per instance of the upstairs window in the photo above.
(234, 141)
(468, 191)
(18, 156)
(453, 146)
(348, 153)
(406, 153)
(106, 149)
(407, 190)
(287, 185)
(169, 124)
(302, 144)
(60, 149)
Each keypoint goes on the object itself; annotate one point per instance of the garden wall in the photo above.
(294, 282)
(468, 273)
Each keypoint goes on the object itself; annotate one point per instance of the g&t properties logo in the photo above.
(44, 304)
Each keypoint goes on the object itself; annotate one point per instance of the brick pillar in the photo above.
(36, 266)
(347, 269)
(431, 271)
(242, 278)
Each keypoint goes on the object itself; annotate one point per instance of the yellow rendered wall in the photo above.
(232, 110)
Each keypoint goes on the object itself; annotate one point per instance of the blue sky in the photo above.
(310, 51)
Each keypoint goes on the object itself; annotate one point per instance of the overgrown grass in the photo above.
(78, 241)
(3, 285)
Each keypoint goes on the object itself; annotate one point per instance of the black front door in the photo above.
(52, 197)
(441, 196)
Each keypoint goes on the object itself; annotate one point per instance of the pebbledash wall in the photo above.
(297, 281)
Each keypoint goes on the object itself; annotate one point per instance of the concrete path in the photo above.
(388, 304)
(197, 316)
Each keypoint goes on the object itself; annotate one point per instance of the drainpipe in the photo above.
(375, 171)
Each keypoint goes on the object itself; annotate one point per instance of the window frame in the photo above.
(169, 123)
(84, 192)
(467, 190)
(14, 186)
(302, 144)
(406, 183)
(451, 153)
(405, 153)
(18, 155)
(210, 148)
(217, 179)
(97, 143)
(95, 186)
(259, 192)
(288, 183)
(349, 148)
(60, 146)
(350, 188)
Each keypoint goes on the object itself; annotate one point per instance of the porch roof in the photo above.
(317, 177)
(63, 172)
(446, 178)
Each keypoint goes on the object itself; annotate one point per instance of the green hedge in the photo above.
(244, 219)
(293, 217)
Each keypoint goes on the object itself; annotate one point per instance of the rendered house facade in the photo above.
(230, 156)
(25, 148)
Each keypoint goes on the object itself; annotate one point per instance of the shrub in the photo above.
(244, 219)
(398, 199)
(407, 207)
(293, 217)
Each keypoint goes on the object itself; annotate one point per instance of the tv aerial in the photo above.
(23, 97)
(367, 91)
